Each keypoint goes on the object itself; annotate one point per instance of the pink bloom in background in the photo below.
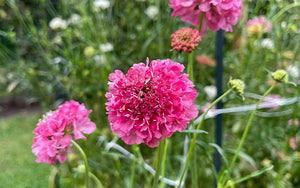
(150, 102)
(259, 24)
(185, 39)
(293, 122)
(272, 100)
(294, 141)
(54, 132)
(218, 14)
(211, 112)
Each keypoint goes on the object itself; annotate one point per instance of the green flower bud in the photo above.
(237, 86)
(81, 168)
(230, 183)
(89, 51)
(280, 76)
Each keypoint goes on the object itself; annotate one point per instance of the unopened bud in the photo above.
(237, 86)
(280, 76)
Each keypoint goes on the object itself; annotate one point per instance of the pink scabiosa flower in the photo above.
(54, 132)
(150, 102)
(259, 25)
(185, 39)
(217, 14)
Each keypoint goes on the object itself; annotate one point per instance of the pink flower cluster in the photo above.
(54, 132)
(260, 22)
(185, 39)
(218, 14)
(150, 102)
(294, 142)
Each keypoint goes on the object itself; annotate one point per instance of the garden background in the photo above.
(54, 50)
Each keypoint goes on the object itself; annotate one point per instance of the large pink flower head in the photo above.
(217, 14)
(185, 39)
(258, 25)
(54, 132)
(150, 102)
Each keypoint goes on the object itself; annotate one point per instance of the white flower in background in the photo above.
(267, 43)
(99, 59)
(211, 91)
(283, 25)
(107, 47)
(58, 23)
(102, 4)
(74, 19)
(293, 71)
(58, 60)
(151, 11)
(141, 0)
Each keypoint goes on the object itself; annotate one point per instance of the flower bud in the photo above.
(237, 86)
(89, 51)
(81, 168)
(280, 76)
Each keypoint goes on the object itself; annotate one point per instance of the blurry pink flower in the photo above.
(54, 132)
(293, 122)
(185, 39)
(211, 112)
(294, 141)
(271, 99)
(150, 102)
(258, 25)
(218, 14)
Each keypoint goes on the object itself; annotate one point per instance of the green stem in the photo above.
(164, 163)
(133, 167)
(190, 66)
(246, 131)
(158, 165)
(97, 181)
(195, 134)
(84, 160)
(200, 22)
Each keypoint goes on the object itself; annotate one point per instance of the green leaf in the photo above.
(244, 156)
(254, 174)
(221, 151)
(195, 131)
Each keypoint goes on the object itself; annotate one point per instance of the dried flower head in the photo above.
(217, 14)
(237, 86)
(185, 39)
(150, 102)
(54, 132)
(280, 76)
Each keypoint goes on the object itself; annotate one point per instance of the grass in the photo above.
(17, 162)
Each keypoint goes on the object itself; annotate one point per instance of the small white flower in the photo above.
(58, 60)
(152, 11)
(141, 0)
(267, 43)
(107, 47)
(58, 23)
(103, 4)
(211, 91)
(99, 59)
(293, 71)
(74, 19)
(283, 25)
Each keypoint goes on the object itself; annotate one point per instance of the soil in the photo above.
(10, 107)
